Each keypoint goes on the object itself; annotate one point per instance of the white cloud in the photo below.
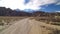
(57, 11)
(33, 4)
(13, 4)
(58, 3)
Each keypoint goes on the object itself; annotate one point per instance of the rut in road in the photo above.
(24, 26)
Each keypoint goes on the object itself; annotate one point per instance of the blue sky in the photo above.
(26, 1)
(44, 5)
(51, 8)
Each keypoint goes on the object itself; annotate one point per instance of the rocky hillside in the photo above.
(9, 12)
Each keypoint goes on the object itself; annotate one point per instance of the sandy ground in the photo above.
(25, 26)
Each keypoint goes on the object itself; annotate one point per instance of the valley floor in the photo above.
(28, 26)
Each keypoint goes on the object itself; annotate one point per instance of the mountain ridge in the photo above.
(9, 12)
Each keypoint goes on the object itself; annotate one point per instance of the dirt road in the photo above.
(24, 26)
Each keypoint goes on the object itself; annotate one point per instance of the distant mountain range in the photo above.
(9, 12)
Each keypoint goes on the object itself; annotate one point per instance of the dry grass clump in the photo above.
(49, 30)
(7, 21)
(49, 20)
(56, 31)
